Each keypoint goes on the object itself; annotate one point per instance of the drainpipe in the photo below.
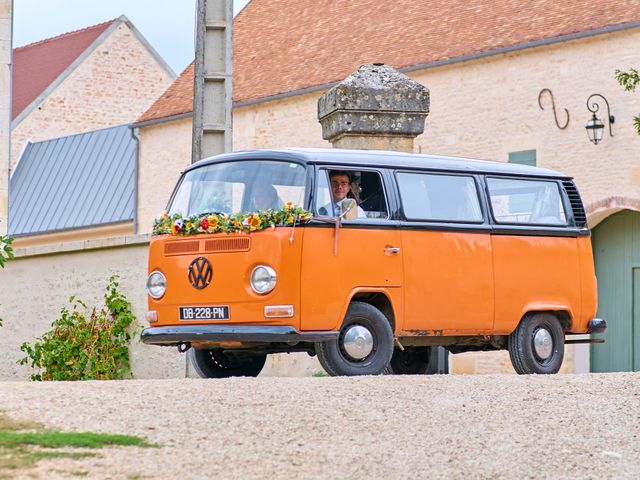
(135, 132)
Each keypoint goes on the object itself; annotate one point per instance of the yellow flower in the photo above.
(254, 222)
(288, 220)
(214, 223)
(288, 206)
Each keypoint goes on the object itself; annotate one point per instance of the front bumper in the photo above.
(176, 335)
(597, 325)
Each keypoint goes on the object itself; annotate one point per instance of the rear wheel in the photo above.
(363, 347)
(216, 363)
(410, 361)
(537, 344)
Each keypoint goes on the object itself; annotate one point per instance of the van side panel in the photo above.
(534, 273)
(448, 282)
(589, 285)
(361, 264)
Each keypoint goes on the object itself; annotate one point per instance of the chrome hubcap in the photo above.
(357, 342)
(543, 343)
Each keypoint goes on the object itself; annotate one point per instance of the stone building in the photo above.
(508, 81)
(97, 77)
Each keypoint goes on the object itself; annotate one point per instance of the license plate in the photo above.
(205, 313)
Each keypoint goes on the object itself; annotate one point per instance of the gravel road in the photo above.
(454, 426)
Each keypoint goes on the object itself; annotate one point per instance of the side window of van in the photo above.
(535, 202)
(452, 198)
(366, 188)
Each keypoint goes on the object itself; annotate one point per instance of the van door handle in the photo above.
(389, 249)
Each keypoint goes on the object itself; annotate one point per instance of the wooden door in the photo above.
(616, 250)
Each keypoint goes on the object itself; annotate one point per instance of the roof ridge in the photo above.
(66, 34)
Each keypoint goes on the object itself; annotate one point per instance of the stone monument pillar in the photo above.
(376, 108)
(5, 109)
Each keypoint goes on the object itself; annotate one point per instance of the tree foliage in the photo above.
(629, 81)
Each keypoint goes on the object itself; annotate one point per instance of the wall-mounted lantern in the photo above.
(595, 127)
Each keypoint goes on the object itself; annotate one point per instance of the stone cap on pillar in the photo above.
(377, 100)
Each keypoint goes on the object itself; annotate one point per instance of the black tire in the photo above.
(214, 363)
(333, 356)
(410, 361)
(524, 357)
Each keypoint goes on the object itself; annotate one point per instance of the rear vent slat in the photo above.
(240, 244)
(181, 248)
(579, 214)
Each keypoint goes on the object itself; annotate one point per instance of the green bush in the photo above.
(6, 251)
(85, 344)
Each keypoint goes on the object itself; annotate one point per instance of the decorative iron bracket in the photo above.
(553, 106)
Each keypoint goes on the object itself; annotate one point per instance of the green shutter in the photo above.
(525, 157)
(636, 319)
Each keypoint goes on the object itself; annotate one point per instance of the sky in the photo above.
(168, 25)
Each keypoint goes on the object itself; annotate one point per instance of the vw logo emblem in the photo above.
(200, 273)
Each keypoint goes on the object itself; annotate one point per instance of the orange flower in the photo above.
(288, 206)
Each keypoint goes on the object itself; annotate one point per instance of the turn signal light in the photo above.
(152, 316)
(278, 311)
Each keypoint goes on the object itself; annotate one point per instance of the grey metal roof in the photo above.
(73, 182)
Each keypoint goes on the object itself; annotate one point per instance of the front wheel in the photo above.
(537, 345)
(363, 347)
(216, 363)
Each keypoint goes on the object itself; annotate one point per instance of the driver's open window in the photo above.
(336, 185)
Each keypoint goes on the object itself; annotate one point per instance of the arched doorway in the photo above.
(616, 250)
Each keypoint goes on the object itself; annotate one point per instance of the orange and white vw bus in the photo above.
(369, 259)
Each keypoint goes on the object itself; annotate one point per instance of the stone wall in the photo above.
(164, 151)
(115, 84)
(35, 288)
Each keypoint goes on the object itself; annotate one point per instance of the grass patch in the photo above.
(21, 443)
(21, 458)
(320, 373)
(52, 439)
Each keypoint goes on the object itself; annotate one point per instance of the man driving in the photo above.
(340, 189)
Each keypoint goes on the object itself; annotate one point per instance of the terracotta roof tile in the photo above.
(287, 45)
(37, 65)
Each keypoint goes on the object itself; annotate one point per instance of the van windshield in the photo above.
(242, 186)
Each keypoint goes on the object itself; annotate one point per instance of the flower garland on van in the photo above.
(222, 223)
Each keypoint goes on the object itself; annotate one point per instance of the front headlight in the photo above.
(263, 279)
(156, 284)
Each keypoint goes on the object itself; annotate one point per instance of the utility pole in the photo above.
(212, 99)
(6, 23)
